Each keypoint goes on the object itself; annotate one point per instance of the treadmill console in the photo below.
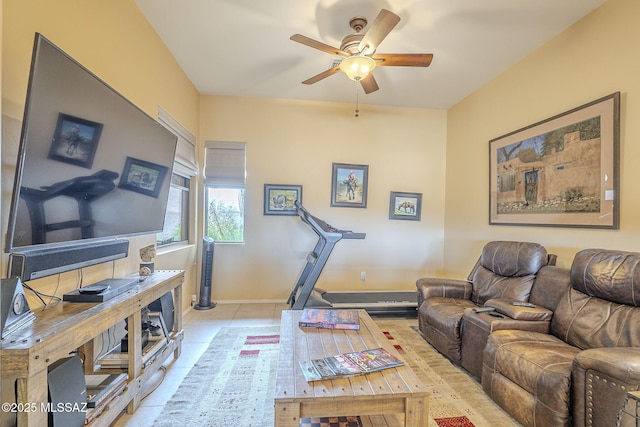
(322, 228)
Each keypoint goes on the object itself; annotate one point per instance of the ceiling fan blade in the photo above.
(403, 59)
(322, 75)
(369, 84)
(318, 45)
(381, 27)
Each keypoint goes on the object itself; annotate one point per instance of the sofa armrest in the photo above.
(601, 379)
(622, 363)
(448, 288)
(518, 312)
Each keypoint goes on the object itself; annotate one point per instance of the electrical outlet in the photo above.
(194, 299)
(363, 275)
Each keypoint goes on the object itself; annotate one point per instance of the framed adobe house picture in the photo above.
(563, 171)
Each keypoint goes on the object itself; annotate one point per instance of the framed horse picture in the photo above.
(281, 199)
(405, 206)
(75, 141)
(349, 184)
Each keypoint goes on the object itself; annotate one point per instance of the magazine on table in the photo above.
(326, 318)
(349, 364)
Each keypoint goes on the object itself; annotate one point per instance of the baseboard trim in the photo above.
(252, 301)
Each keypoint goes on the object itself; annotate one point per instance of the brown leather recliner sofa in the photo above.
(506, 271)
(579, 373)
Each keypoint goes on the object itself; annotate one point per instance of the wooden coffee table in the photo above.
(390, 391)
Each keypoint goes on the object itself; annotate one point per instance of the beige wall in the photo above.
(295, 142)
(593, 58)
(443, 155)
(114, 41)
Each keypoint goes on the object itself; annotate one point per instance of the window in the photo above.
(506, 182)
(225, 172)
(225, 214)
(176, 220)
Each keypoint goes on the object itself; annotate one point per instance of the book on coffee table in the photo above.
(327, 318)
(349, 364)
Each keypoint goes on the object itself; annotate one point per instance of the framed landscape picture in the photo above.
(281, 199)
(349, 185)
(405, 206)
(562, 172)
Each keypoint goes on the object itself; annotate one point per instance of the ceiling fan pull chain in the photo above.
(357, 110)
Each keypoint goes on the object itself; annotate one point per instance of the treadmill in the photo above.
(306, 295)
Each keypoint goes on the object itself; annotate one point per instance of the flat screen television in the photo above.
(91, 167)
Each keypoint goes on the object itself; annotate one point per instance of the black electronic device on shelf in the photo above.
(101, 291)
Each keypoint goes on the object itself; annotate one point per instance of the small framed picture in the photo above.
(142, 177)
(75, 141)
(405, 206)
(280, 199)
(349, 185)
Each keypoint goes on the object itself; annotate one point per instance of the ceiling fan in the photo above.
(358, 51)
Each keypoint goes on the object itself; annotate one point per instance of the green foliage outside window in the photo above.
(225, 215)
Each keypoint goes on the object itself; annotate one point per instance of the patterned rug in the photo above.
(456, 400)
(233, 382)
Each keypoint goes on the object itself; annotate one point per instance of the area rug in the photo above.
(233, 384)
(456, 400)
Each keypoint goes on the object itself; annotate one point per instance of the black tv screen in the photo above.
(91, 165)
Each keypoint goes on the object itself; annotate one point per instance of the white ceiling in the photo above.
(242, 47)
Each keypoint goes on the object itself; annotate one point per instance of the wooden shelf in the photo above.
(65, 327)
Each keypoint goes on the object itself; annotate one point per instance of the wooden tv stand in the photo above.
(65, 327)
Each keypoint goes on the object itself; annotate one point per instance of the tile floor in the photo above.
(199, 328)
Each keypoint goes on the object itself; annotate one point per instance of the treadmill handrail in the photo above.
(324, 229)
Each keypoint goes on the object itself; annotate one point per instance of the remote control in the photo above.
(496, 315)
(483, 309)
(522, 304)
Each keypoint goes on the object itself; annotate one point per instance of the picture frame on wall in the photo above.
(280, 199)
(349, 185)
(75, 140)
(405, 206)
(560, 172)
(142, 177)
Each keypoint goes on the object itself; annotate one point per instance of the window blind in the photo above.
(185, 161)
(225, 163)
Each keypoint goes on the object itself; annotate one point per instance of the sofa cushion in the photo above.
(607, 274)
(507, 270)
(441, 327)
(589, 322)
(487, 285)
(476, 328)
(513, 259)
(550, 285)
(537, 366)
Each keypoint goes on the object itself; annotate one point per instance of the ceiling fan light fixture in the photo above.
(357, 67)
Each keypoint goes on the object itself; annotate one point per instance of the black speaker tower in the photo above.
(205, 279)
